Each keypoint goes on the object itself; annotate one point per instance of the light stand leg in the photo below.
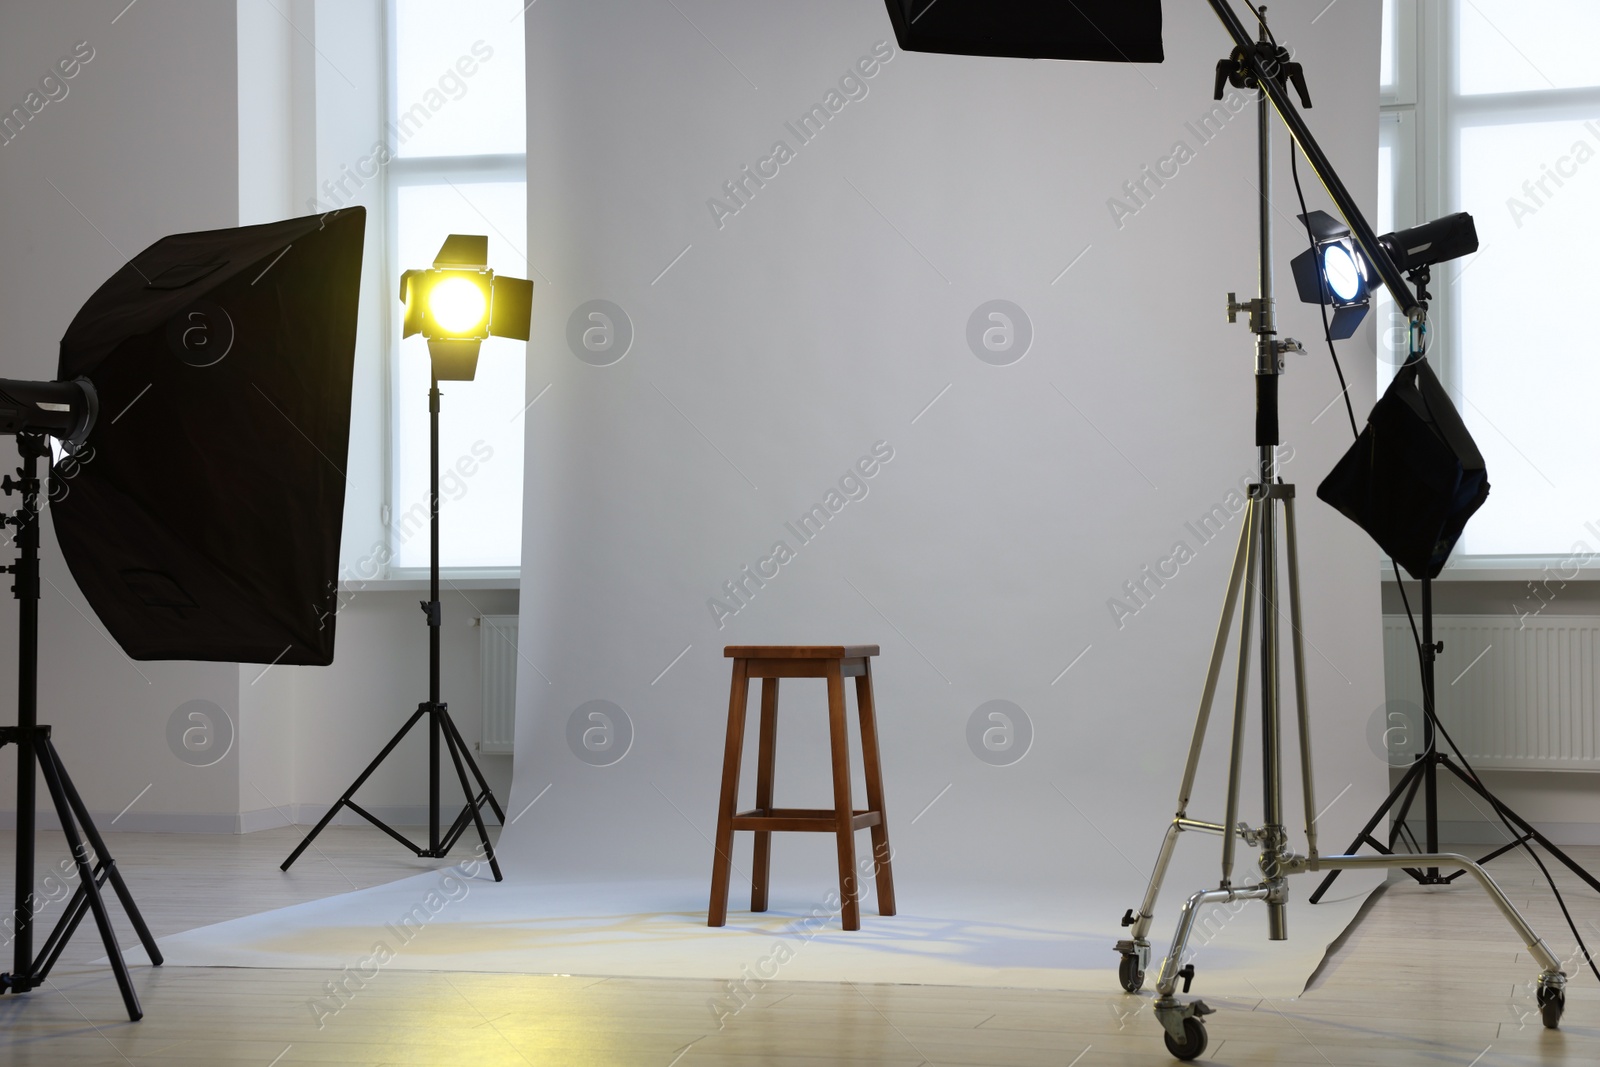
(89, 885)
(1301, 702)
(345, 801)
(34, 750)
(105, 870)
(443, 736)
(1241, 694)
(1135, 949)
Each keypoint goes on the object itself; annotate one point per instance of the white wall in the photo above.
(141, 146)
(825, 316)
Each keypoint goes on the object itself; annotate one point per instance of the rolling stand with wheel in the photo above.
(1264, 66)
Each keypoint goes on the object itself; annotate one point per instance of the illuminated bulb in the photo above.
(457, 305)
(1344, 276)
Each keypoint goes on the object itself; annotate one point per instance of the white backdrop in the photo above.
(764, 351)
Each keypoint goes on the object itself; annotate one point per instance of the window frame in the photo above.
(1427, 186)
(402, 171)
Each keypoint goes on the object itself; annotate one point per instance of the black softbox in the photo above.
(1106, 31)
(1414, 476)
(201, 517)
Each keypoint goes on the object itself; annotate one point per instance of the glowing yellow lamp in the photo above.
(457, 305)
(461, 303)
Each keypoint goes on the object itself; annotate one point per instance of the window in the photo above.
(458, 135)
(1503, 102)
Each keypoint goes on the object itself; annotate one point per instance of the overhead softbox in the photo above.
(201, 517)
(1105, 31)
(1414, 476)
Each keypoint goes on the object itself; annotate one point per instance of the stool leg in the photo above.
(839, 735)
(765, 764)
(733, 751)
(881, 852)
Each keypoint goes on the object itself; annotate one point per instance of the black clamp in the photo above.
(1237, 71)
(1187, 974)
(435, 615)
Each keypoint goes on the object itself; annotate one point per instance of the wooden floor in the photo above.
(1430, 976)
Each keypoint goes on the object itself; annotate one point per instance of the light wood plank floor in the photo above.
(1430, 976)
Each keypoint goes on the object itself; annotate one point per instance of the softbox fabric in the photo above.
(201, 517)
(1414, 476)
(1104, 31)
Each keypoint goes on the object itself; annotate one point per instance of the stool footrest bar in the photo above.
(818, 820)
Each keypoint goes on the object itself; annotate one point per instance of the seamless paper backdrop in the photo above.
(950, 331)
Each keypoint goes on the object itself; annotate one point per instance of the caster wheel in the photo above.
(1551, 1004)
(1129, 974)
(1193, 1043)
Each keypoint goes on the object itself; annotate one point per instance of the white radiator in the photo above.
(497, 658)
(1512, 694)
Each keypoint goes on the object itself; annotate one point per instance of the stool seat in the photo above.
(833, 663)
(799, 651)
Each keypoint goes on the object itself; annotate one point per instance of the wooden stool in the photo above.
(769, 663)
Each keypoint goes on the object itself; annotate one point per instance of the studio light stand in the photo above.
(1423, 774)
(33, 743)
(1261, 65)
(457, 305)
(440, 726)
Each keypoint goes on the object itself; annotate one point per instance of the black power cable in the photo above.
(1416, 639)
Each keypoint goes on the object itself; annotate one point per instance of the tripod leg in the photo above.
(1136, 950)
(348, 793)
(1409, 780)
(453, 742)
(1219, 653)
(1399, 824)
(1302, 704)
(477, 774)
(113, 875)
(1241, 692)
(91, 889)
(1167, 981)
(1522, 824)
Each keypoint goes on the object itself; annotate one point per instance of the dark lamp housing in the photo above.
(1433, 242)
(64, 410)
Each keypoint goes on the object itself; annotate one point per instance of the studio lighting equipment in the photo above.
(1412, 480)
(1333, 272)
(200, 422)
(1122, 31)
(1433, 242)
(455, 306)
(460, 303)
(1414, 476)
(1258, 62)
(64, 410)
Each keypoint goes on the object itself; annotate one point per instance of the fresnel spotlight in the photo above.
(460, 303)
(1333, 272)
(456, 306)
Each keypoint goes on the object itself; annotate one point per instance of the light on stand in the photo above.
(460, 303)
(456, 306)
(1333, 272)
